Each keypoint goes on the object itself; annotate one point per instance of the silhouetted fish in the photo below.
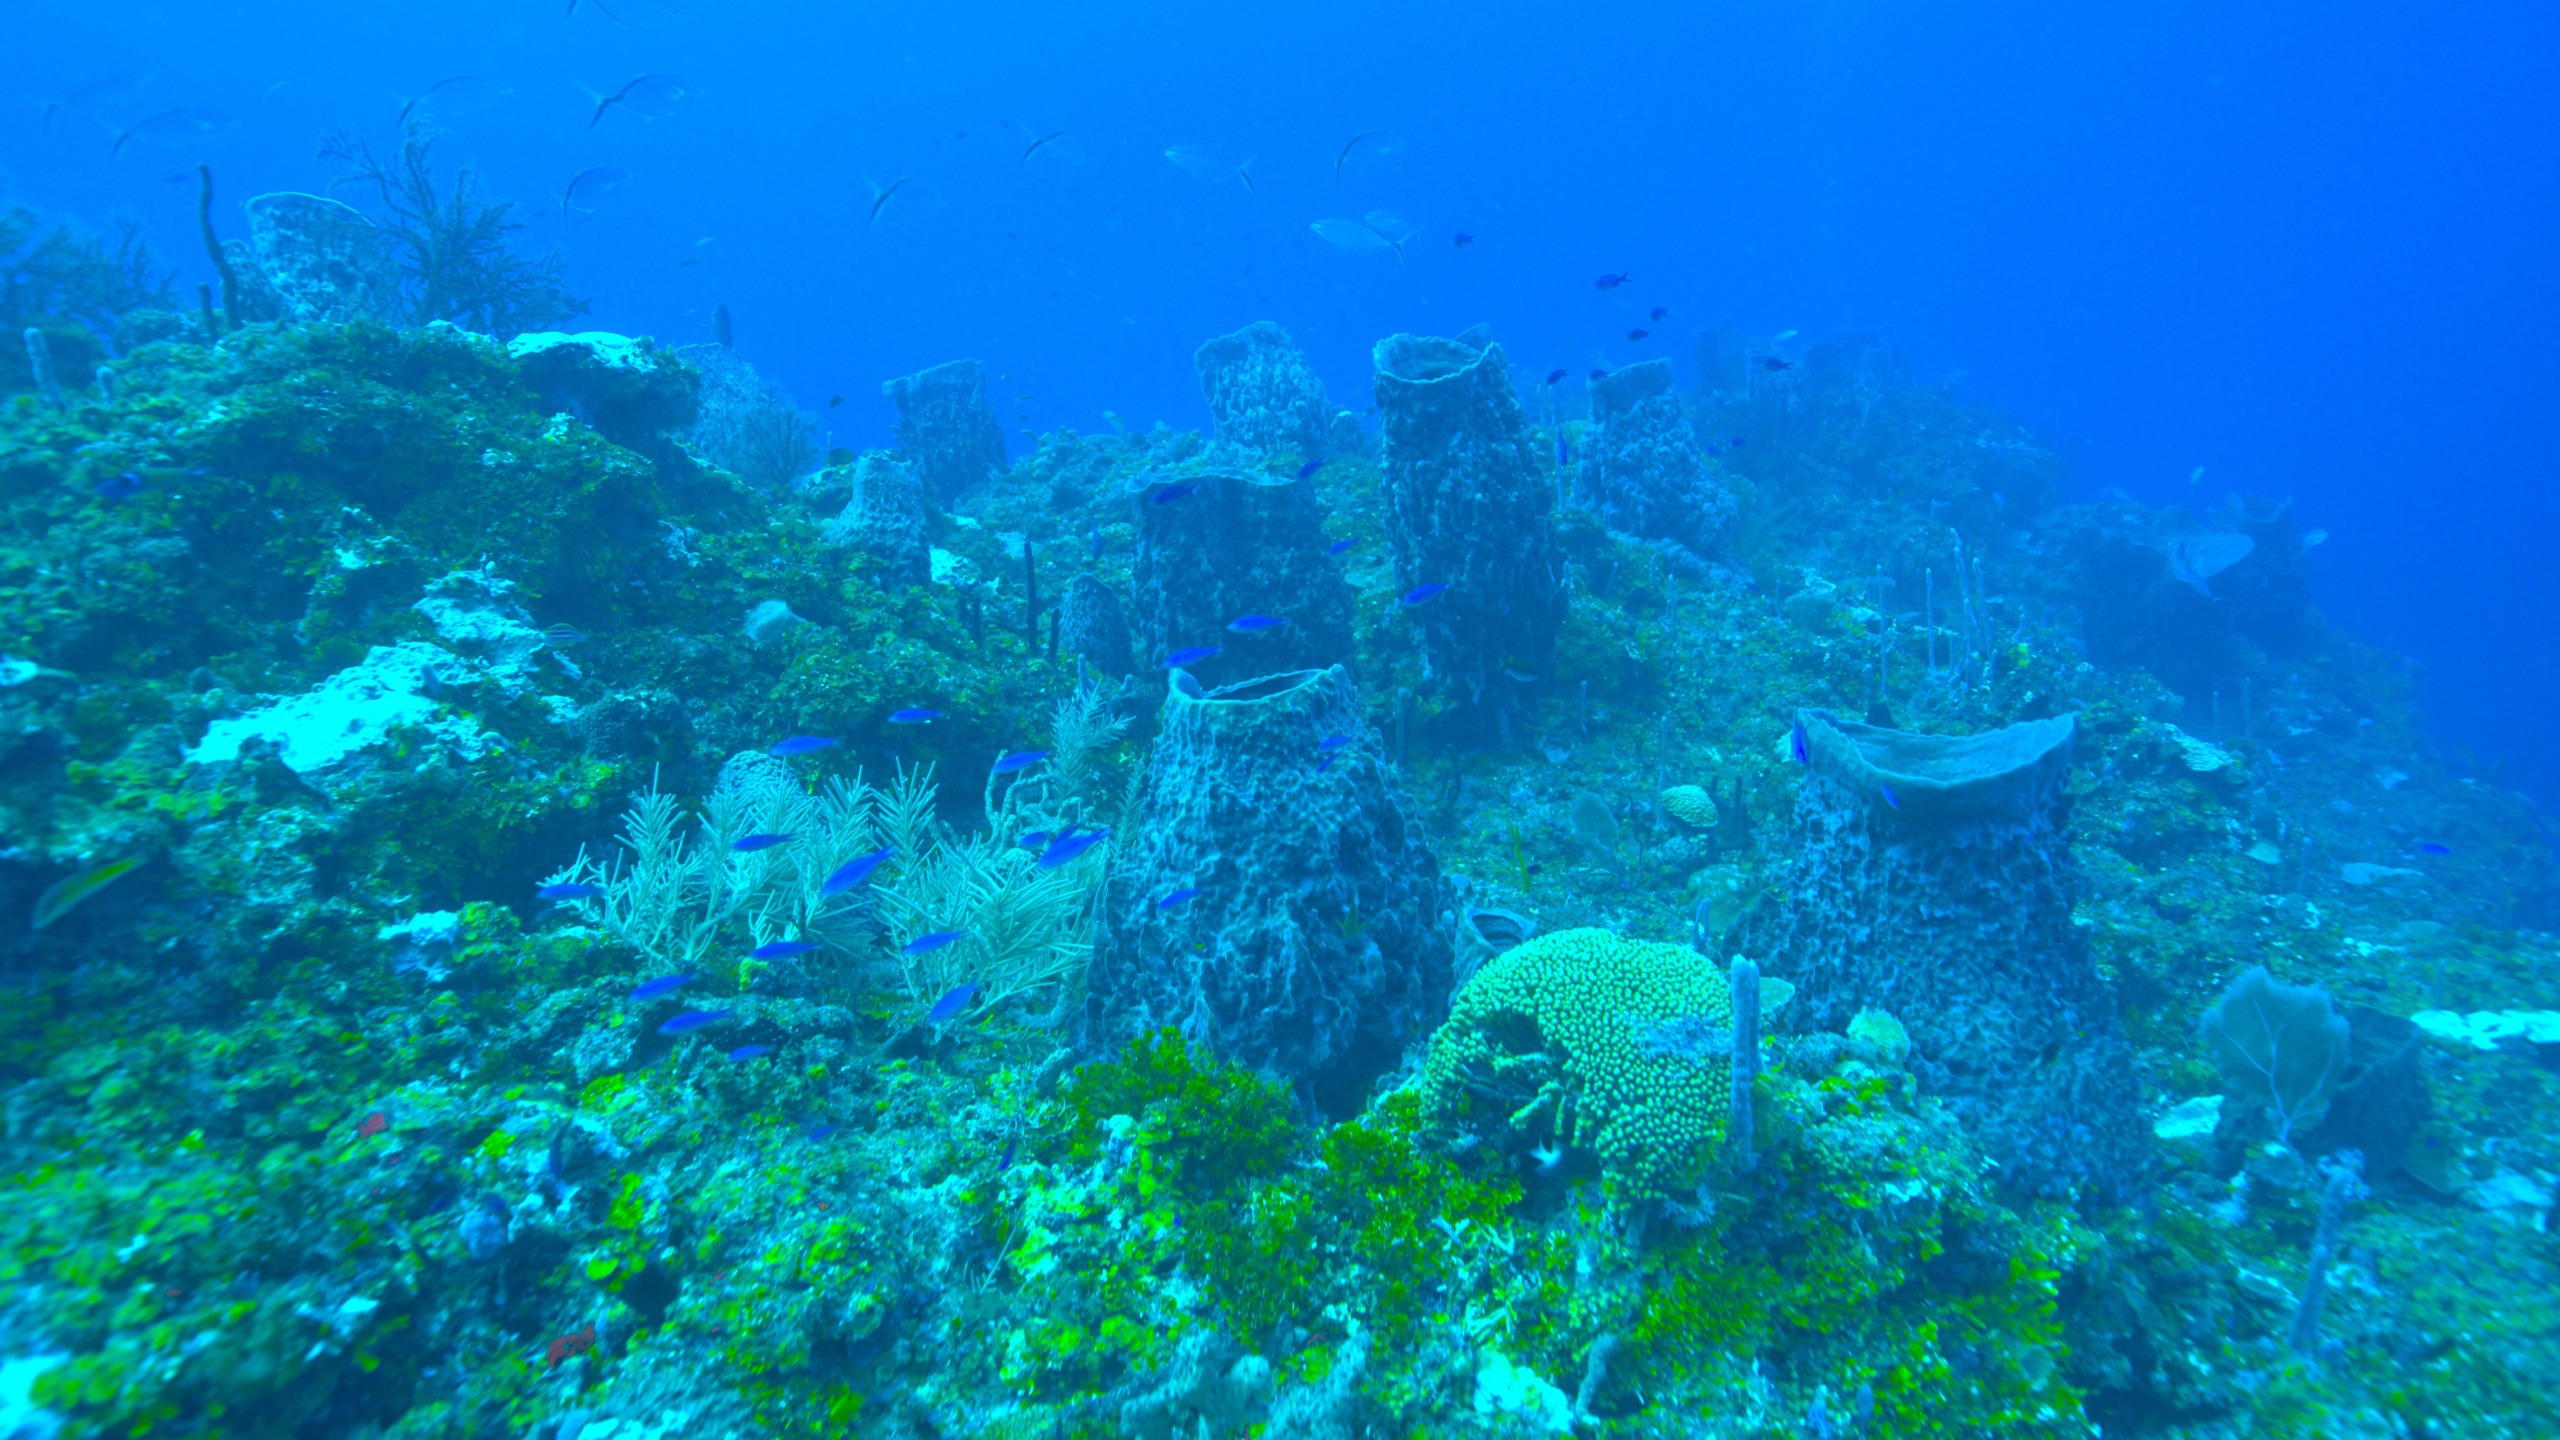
(1462, 240)
(1659, 311)
(1167, 494)
(1638, 334)
(1773, 364)
(1309, 468)
(1555, 376)
(1609, 282)
(1191, 656)
(2429, 847)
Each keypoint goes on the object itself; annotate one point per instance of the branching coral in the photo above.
(460, 263)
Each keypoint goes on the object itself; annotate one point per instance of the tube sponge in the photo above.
(1585, 1041)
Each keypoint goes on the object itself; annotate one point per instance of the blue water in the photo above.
(2307, 248)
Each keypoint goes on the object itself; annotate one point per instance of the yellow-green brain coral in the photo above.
(1584, 1040)
(1691, 805)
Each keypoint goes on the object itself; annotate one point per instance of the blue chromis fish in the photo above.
(62, 894)
(1422, 594)
(693, 1020)
(914, 715)
(853, 872)
(1309, 468)
(953, 1001)
(1035, 842)
(1334, 742)
(1192, 656)
(1338, 546)
(1564, 452)
(780, 949)
(1254, 624)
(762, 840)
(924, 944)
(1889, 797)
(663, 985)
(1796, 745)
(2430, 847)
(1167, 494)
(801, 745)
(568, 890)
(1609, 282)
(821, 1130)
(1177, 897)
(1068, 847)
(750, 1052)
(1020, 760)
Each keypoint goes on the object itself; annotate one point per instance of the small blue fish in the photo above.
(914, 715)
(1192, 656)
(1177, 897)
(1609, 282)
(1324, 764)
(1020, 760)
(1734, 444)
(750, 1052)
(762, 840)
(1068, 847)
(1254, 624)
(1796, 745)
(1309, 468)
(569, 890)
(1889, 797)
(952, 1003)
(1423, 594)
(1461, 240)
(1599, 374)
(1096, 539)
(802, 745)
(853, 872)
(821, 1130)
(1035, 842)
(2430, 847)
(1564, 454)
(663, 985)
(119, 487)
(781, 948)
(1338, 546)
(1167, 494)
(693, 1020)
(1334, 742)
(923, 944)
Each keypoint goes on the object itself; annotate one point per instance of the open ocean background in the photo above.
(2308, 248)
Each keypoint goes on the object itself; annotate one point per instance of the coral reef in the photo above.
(1642, 464)
(1092, 627)
(744, 424)
(1263, 397)
(634, 392)
(946, 428)
(1235, 545)
(1933, 879)
(1314, 943)
(1469, 508)
(1581, 1046)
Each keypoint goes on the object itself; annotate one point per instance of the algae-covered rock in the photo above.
(634, 391)
(1643, 464)
(946, 428)
(1933, 879)
(1469, 506)
(1240, 544)
(318, 733)
(325, 260)
(1265, 397)
(1582, 1041)
(1316, 946)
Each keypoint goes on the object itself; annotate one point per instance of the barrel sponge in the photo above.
(1590, 1041)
